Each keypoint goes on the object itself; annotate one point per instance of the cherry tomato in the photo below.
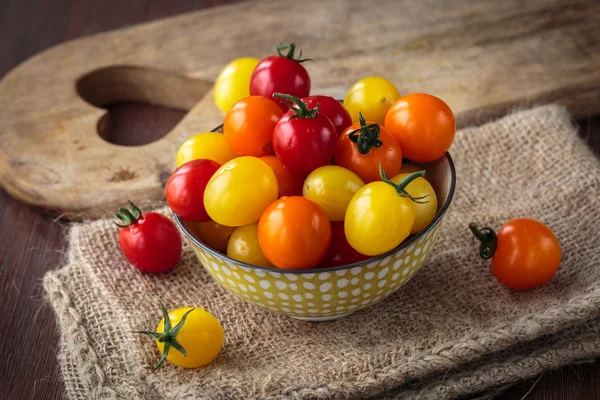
(423, 125)
(332, 187)
(150, 241)
(239, 192)
(213, 235)
(281, 74)
(306, 141)
(363, 146)
(243, 246)
(185, 189)
(209, 146)
(525, 253)
(248, 126)
(290, 184)
(294, 233)
(332, 109)
(233, 83)
(380, 216)
(425, 210)
(340, 252)
(371, 96)
(188, 337)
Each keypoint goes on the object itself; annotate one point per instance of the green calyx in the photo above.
(488, 240)
(168, 336)
(291, 48)
(128, 217)
(401, 187)
(366, 137)
(302, 110)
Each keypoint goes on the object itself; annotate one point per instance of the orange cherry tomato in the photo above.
(294, 233)
(423, 125)
(290, 183)
(249, 124)
(525, 253)
(363, 146)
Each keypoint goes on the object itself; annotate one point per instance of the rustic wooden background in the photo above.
(31, 244)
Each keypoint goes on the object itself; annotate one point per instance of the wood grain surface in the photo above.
(31, 244)
(481, 57)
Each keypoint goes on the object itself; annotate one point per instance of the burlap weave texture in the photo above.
(450, 331)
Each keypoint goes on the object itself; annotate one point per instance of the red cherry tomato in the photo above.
(294, 233)
(364, 146)
(248, 126)
(290, 184)
(525, 253)
(423, 125)
(332, 109)
(150, 241)
(280, 74)
(340, 252)
(185, 189)
(305, 142)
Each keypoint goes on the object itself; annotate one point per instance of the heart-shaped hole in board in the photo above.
(143, 104)
(136, 124)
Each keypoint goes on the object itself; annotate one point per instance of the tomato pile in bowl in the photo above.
(308, 206)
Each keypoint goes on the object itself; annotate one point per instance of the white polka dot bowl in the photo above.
(330, 293)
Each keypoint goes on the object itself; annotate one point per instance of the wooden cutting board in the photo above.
(483, 58)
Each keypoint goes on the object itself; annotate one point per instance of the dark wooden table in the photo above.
(31, 244)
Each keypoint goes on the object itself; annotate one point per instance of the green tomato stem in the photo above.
(401, 187)
(128, 217)
(291, 48)
(302, 111)
(168, 336)
(488, 240)
(366, 137)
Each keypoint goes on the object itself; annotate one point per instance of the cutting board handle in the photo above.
(69, 169)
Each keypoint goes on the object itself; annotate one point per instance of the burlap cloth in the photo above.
(450, 331)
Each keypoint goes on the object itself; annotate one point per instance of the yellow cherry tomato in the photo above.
(240, 191)
(243, 246)
(380, 216)
(372, 96)
(332, 187)
(233, 83)
(208, 145)
(188, 337)
(426, 209)
(214, 235)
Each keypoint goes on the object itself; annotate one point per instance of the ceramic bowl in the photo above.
(330, 293)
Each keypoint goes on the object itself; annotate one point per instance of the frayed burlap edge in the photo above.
(498, 371)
